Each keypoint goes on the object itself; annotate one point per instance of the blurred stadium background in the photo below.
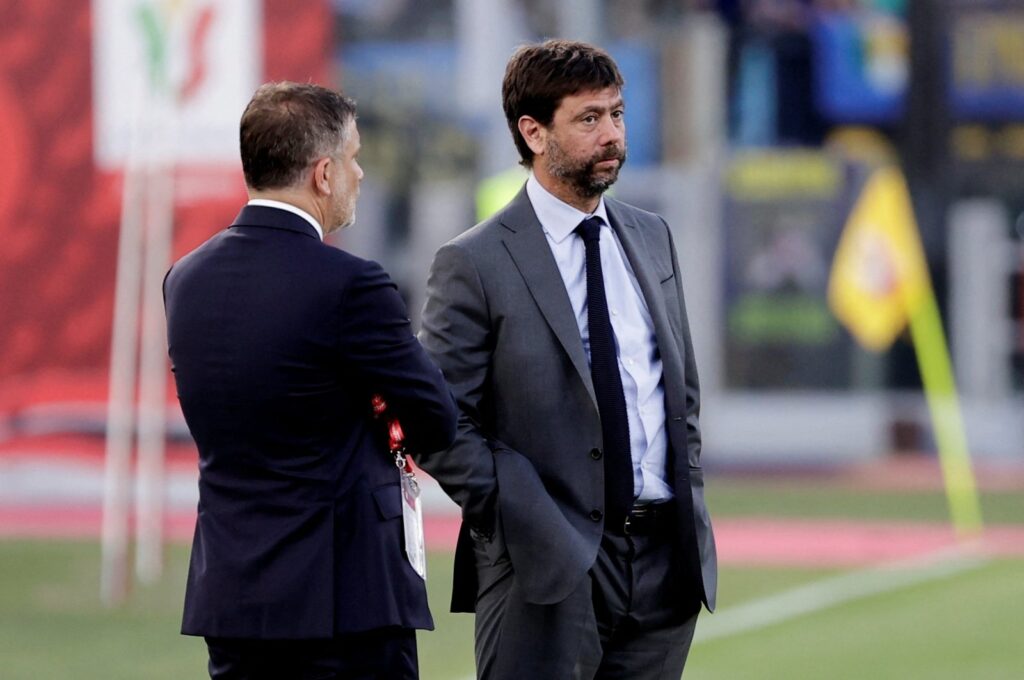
(752, 127)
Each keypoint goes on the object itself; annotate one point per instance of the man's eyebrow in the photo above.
(597, 108)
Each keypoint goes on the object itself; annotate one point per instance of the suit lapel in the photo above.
(526, 243)
(640, 260)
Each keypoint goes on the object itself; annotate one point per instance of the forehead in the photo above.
(351, 135)
(605, 98)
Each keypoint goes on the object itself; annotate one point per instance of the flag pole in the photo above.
(947, 420)
(879, 285)
(936, 369)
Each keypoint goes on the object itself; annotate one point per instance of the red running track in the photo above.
(767, 542)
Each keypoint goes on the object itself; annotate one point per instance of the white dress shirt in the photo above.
(267, 203)
(638, 357)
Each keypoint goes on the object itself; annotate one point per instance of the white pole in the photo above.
(487, 32)
(123, 354)
(152, 412)
(153, 377)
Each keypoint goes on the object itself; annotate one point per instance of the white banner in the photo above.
(171, 78)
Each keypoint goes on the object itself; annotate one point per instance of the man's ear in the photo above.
(534, 133)
(321, 179)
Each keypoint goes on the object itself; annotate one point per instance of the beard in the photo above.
(347, 223)
(348, 219)
(345, 215)
(583, 175)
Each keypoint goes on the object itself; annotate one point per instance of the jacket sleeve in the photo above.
(693, 435)
(457, 333)
(378, 344)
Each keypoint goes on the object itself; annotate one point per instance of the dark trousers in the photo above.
(383, 654)
(634, 618)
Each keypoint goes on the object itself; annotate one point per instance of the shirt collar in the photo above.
(557, 217)
(280, 205)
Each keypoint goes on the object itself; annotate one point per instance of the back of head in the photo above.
(538, 77)
(286, 127)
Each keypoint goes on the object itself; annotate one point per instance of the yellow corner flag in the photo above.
(879, 273)
(879, 284)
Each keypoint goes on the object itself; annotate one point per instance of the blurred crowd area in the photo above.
(720, 87)
(752, 127)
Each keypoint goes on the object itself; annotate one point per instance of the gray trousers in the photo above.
(632, 619)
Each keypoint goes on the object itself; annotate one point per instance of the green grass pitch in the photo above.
(961, 626)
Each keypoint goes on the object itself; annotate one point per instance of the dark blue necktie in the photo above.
(604, 370)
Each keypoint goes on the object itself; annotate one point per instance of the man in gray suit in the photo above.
(586, 548)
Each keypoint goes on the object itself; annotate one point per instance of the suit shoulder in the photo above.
(339, 267)
(638, 214)
(479, 235)
(344, 258)
(196, 256)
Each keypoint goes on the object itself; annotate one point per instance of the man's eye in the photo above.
(617, 115)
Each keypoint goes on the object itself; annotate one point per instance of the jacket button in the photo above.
(596, 515)
(595, 453)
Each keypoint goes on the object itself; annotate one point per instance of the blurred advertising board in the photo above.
(70, 73)
(862, 62)
(861, 66)
(784, 212)
(988, 59)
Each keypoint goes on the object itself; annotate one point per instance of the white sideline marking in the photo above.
(836, 590)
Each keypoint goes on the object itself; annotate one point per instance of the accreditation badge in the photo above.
(412, 508)
(412, 521)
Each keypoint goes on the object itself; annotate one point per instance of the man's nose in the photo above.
(612, 130)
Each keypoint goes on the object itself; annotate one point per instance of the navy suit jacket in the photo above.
(278, 342)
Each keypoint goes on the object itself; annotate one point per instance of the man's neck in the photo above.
(565, 192)
(297, 198)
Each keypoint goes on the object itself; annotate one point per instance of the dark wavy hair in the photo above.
(538, 77)
(286, 127)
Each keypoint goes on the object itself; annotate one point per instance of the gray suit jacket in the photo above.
(499, 323)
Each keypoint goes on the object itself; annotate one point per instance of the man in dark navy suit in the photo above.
(278, 343)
